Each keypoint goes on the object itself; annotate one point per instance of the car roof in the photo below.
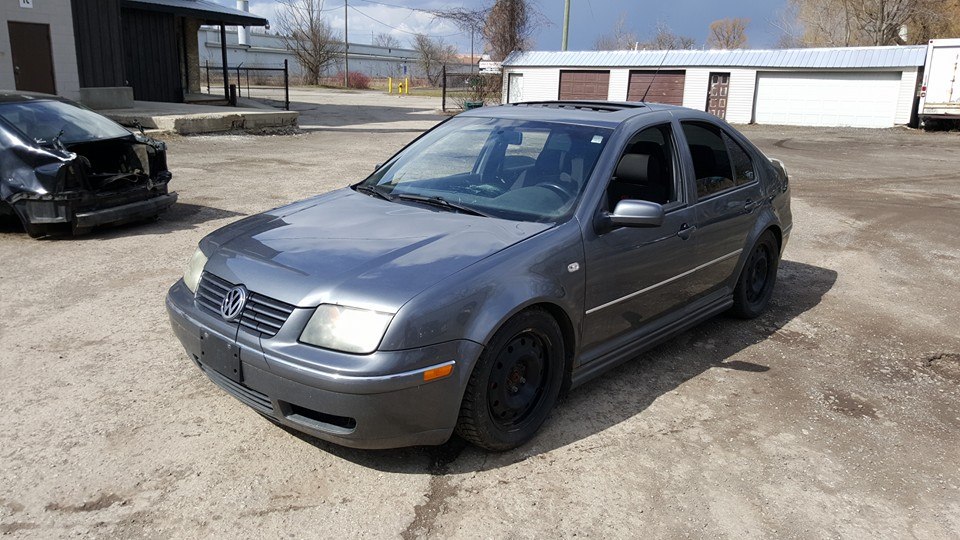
(16, 96)
(586, 112)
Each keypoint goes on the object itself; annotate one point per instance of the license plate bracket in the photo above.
(221, 355)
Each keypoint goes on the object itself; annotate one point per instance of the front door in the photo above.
(637, 274)
(32, 57)
(717, 97)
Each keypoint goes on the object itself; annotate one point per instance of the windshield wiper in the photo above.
(440, 202)
(375, 191)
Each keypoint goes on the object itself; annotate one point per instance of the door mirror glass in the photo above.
(635, 213)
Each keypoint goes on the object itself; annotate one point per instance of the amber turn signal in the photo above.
(437, 373)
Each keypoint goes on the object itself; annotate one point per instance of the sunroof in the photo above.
(581, 105)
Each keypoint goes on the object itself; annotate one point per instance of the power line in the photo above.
(400, 29)
(398, 6)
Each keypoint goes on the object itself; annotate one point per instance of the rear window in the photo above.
(44, 121)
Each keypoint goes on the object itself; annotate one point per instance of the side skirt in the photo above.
(632, 350)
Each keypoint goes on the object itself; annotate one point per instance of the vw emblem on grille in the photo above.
(232, 305)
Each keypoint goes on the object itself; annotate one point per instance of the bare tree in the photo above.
(432, 54)
(387, 41)
(665, 39)
(509, 27)
(506, 25)
(728, 34)
(874, 22)
(307, 34)
(619, 39)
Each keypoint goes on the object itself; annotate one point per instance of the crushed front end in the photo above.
(82, 185)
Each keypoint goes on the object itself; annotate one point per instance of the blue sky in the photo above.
(589, 19)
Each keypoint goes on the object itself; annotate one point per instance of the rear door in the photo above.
(728, 194)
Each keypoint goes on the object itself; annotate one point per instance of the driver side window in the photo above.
(645, 171)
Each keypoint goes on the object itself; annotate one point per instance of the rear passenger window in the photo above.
(742, 164)
(711, 160)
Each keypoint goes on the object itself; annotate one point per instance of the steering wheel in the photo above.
(556, 188)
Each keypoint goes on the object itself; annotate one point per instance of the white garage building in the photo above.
(850, 86)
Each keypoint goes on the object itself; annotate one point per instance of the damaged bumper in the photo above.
(124, 213)
(87, 212)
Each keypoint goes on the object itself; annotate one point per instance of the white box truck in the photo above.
(940, 92)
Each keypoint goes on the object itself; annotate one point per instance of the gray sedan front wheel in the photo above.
(514, 384)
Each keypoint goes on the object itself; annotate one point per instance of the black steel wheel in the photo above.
(515, 383)
(757, 278)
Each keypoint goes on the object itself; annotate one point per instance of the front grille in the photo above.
(244, 393)
(261, 314)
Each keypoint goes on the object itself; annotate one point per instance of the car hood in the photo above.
(349, 248)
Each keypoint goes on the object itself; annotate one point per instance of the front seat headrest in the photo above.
(638, 169)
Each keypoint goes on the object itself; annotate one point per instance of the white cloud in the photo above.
(373, 19)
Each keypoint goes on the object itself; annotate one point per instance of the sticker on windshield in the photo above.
(597, 139)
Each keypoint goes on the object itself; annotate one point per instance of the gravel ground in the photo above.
(835, 414)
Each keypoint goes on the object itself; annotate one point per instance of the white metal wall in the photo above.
(909, 80)
(58, 14)
(539, 84)
(739, 100)
(619, 84)
(889, 92)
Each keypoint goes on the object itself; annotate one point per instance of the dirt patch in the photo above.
(10, 528)
(101, 502)
(947, 365)
(849, 404)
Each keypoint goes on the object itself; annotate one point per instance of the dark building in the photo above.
(123, 49)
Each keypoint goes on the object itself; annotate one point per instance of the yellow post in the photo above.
(406, 85)
(389, 85)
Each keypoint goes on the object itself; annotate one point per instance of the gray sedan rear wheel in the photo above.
(514, 384)
(757, 278)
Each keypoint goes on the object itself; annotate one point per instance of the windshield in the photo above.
(42, 121)
(510, 169)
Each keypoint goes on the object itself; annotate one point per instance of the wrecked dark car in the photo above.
(65, 168)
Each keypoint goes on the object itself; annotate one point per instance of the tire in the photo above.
(757, 278)
(502, 407)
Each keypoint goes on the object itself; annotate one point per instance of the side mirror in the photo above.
(633, 213)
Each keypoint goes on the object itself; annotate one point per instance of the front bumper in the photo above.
(389, 409)
(93, 210)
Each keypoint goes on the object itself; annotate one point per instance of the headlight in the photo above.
(346, 329)
(191, 276)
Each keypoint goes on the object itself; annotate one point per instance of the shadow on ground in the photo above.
(326, 116)
(625, 391)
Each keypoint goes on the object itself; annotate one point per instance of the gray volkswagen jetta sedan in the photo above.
(498, 260)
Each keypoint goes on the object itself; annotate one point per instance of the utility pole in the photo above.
(473, 64)
(566, 24)
(346, 48)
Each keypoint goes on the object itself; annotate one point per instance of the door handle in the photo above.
(751, 205)
(685, 231)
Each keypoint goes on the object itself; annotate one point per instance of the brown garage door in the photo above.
(584, 84)
(667, 86)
